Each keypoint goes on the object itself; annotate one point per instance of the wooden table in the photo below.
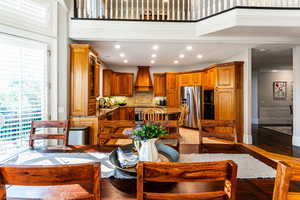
(248, 189)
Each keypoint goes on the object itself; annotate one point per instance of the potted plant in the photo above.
(147, 135)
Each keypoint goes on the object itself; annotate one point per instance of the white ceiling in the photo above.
(139, 53)
(273, 56)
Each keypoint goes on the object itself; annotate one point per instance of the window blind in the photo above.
(33, 15)
(23, 89)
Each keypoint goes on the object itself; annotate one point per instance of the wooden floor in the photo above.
(274, 141)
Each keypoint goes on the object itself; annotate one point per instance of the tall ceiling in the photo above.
(139, 53)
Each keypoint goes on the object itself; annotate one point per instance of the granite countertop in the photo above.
(104, 111)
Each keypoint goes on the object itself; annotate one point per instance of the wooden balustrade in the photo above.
(166, 10)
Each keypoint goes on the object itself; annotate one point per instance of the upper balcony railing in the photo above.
(167, 10)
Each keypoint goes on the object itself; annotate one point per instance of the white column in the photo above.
(296, 97)
(248, 97)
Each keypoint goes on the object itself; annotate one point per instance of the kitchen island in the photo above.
(128, 112)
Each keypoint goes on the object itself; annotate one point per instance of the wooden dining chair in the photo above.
(225, 129)
(173, 137)
(188, 172)
(114, 129)
(49, 124)
(285, 174)
(172, 127)
(65, 176)
(184, 111)
(155, 114)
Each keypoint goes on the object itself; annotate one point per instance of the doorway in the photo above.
(272, 98)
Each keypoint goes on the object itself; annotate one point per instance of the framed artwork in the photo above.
(280, 90)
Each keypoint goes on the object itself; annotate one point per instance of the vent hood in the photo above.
(143, 81)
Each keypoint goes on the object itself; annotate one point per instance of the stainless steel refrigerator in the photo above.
(191, 95)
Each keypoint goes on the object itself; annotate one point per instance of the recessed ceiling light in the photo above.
(125, 61)
(155, 47)
(153, 55)
(176, 62)
(152, 61)
(262, 50)
(181, 56)
(199, 56)
(189, 48)
(122, 55)
(117, 46)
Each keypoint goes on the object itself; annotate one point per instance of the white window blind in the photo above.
(23, 89)
(33, 15)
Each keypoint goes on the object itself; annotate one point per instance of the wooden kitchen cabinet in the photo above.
(122, 84)
(229, 95)
(127, 113)
(225, 104)
(190, 79)
(85, 67)
(172, 89)
(107, 82)
(209, 78)
(172, 99)
(124, 113)
(159, 84)
(171, 81)
(185, 79)
(226, 77)
(117, 84)
(197, 78)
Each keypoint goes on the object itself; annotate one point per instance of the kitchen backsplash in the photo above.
(139, 99)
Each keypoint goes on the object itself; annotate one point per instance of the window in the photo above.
(23, 89)
(33, 15)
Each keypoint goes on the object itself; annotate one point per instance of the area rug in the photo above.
(248, 166)
(281, 129)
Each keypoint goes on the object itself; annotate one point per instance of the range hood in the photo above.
(143, 81)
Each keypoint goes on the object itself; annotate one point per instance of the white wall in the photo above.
(272, 111)
(103, 66)
(255, 113)
(296, 96)
(63, 83)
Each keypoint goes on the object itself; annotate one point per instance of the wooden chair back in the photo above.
(155, 114)
(285, 174)
(184, 110)
(113, 129)
(49, 124)
(216, 127)
(52, 175)
(187, 172)
(172, 127)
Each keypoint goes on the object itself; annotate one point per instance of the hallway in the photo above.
(274, 141)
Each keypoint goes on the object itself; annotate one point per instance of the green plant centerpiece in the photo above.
(145, 138)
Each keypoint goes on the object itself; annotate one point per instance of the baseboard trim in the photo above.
(296, 141)
(247, 139)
